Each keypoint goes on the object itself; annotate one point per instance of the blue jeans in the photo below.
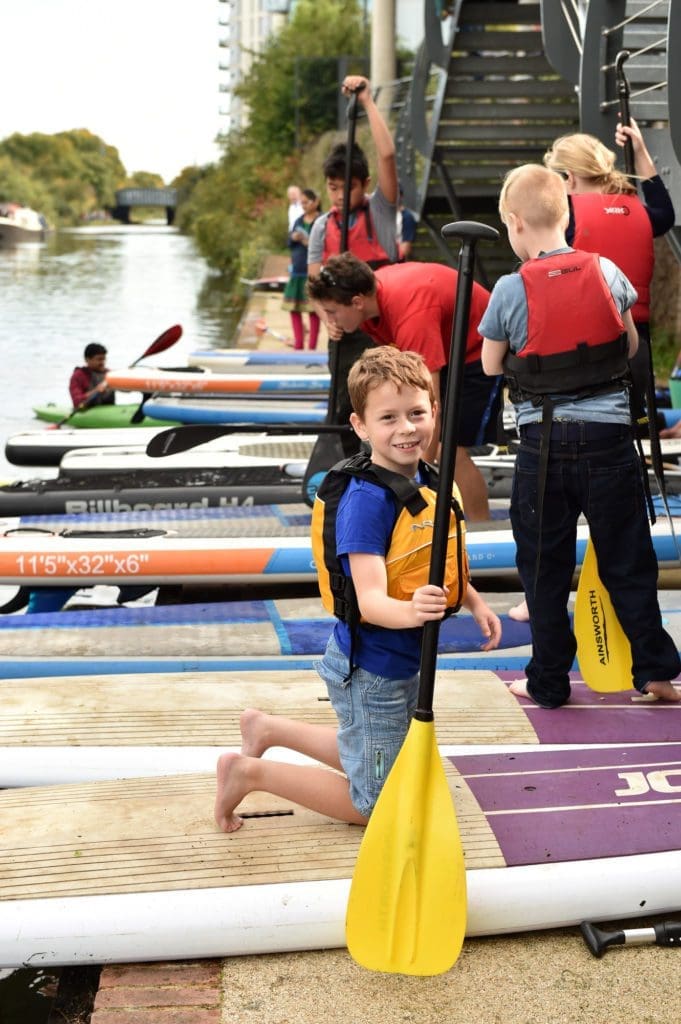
(374, 713)
(593, 469)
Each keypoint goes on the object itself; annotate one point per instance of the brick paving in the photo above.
(160, 993)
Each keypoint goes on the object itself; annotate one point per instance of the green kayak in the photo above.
(98, 416)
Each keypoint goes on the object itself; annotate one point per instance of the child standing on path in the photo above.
(372, 228)
(375, 696)
(295, 292)
(557, 330)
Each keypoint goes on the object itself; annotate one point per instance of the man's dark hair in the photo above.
(94, 349)
(334, 165)
(340, 278)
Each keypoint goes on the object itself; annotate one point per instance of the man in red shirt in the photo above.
(87, 385)
(411, 306)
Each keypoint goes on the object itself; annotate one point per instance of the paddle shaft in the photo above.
(470, 233)
(175, 440)
(334, 365)
(651, 402)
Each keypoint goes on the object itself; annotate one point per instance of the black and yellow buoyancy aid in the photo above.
(408, 556)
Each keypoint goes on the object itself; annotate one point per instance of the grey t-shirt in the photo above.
(384, 216)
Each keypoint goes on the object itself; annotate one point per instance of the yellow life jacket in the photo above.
(408, 556)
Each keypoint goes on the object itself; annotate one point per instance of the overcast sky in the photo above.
(141, 74)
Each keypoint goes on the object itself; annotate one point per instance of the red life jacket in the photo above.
(618, 226)
(575, 335)
(362, 240)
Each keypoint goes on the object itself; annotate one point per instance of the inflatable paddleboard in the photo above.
(174, 382)
(136, 870)
(242, 451)
(224, 410)
(98, 416)
(295, 626)
(48, 560)
(222, 360)
(267, 484)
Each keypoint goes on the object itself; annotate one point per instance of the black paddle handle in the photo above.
(623, 97)
(470, 233)
(668, 933)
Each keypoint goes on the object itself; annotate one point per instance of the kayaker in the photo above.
(88, 386)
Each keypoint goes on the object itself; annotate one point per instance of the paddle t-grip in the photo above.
(623, 97)
(668, 933)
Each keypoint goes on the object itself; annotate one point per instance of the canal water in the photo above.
(121, 286)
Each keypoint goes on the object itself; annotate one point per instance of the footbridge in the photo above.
(127, 198)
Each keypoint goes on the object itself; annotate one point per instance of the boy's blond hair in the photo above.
(586, 157)
(387, 364)
(535, 194)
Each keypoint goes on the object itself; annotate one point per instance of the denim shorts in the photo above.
(373, 718)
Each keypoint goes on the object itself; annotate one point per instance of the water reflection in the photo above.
(121, 286)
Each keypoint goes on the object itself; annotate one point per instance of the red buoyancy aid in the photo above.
(362, 240)
(618, 226)
(576, 339)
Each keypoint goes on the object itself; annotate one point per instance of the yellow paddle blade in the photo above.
(407, 908)
(603, 651)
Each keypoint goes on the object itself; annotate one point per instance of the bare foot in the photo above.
(519, 612)
(519, 688)
(663, 691)
(232, 787)
(253, 726)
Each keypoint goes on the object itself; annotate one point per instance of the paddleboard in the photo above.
(98, 416)
(174, 382)
(222, 360)
(268, 484)
(198, 409)
(136, 870)
(56, 559)
(294, 626)
(240, 451)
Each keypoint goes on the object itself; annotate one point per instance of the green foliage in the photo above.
(291, 90)
(65, 176)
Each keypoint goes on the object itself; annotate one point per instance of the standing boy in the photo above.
(562, 331)
(372, 227)
(411, 306)
(371, 671)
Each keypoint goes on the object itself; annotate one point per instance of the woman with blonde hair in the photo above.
(608, 217)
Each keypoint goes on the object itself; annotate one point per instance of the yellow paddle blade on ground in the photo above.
(407, 908)
(603, 650)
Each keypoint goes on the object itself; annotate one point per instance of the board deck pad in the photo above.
(554, 806)
(288, 627)
(183, 709)
(146, 835)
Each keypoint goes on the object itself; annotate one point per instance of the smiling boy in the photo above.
(371, 670)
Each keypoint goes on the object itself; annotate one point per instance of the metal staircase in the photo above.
(495, 83)
(584, 45)
(483, 99)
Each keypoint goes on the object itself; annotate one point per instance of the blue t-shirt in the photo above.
(364, 524)
(506, 319)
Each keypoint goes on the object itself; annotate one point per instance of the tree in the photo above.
(291, 91)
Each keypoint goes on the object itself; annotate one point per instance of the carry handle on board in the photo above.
(407, 907)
